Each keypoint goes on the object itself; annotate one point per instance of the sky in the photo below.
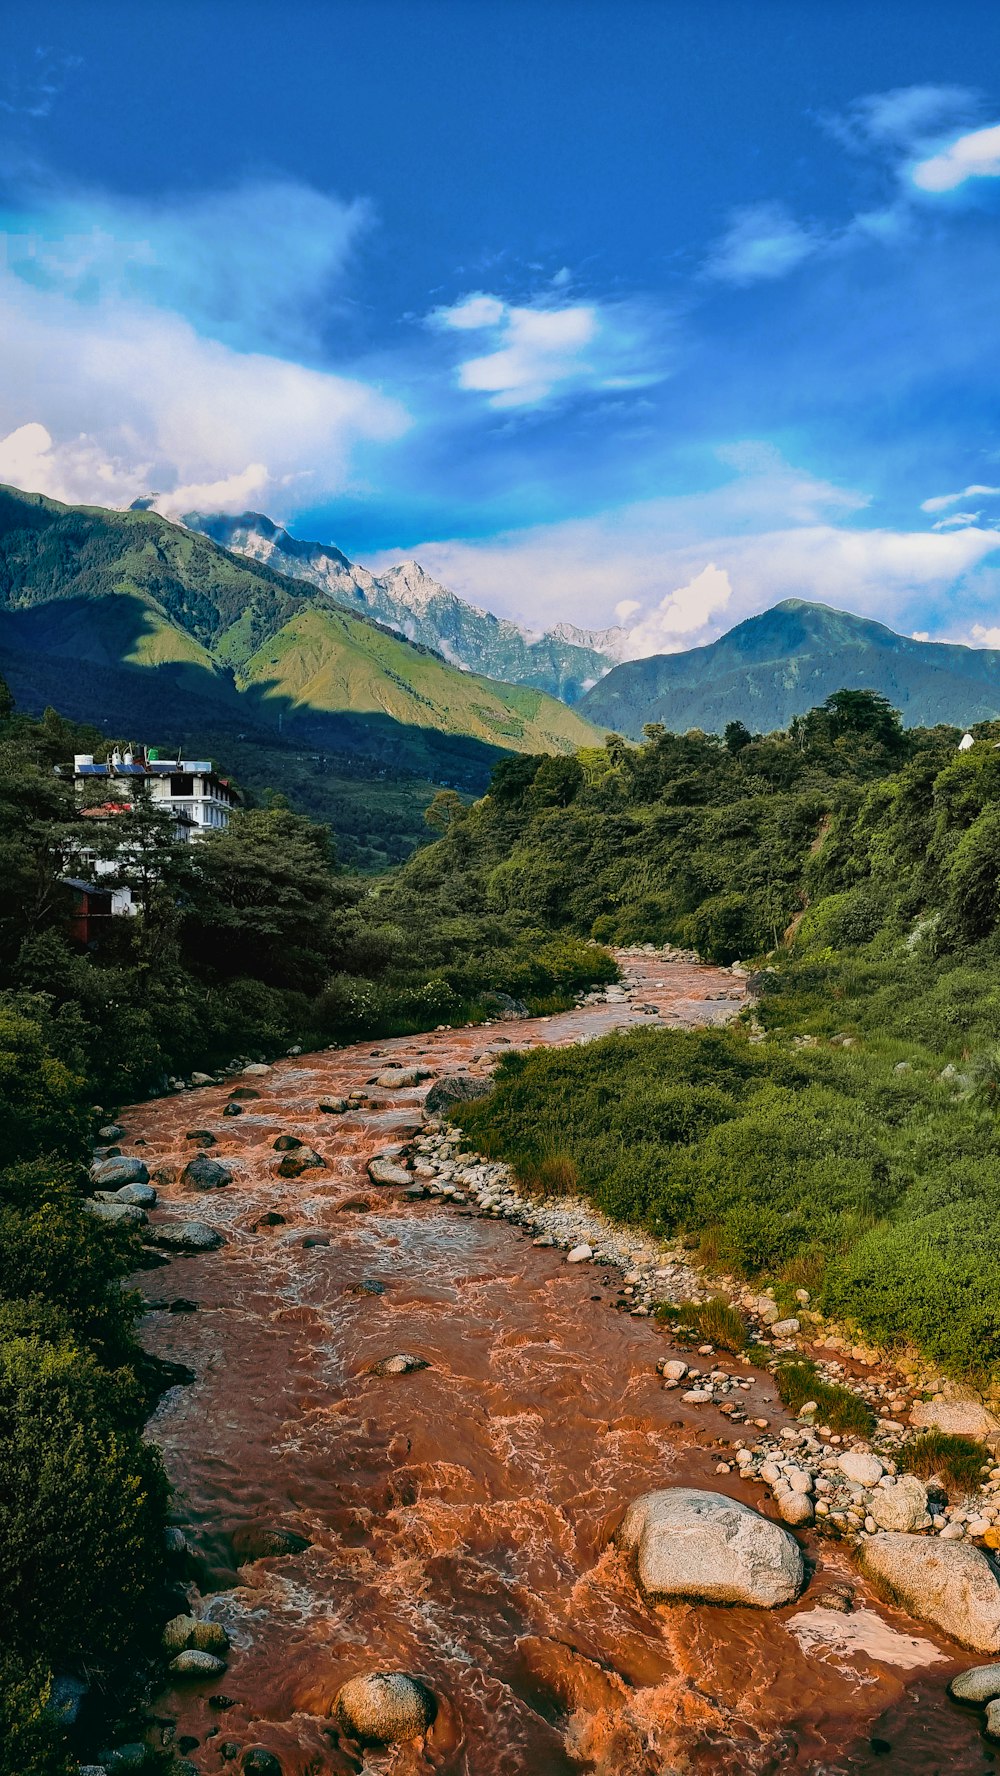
(613, 312)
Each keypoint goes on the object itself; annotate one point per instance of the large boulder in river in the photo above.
(122, 1214)
(111, 1174)
(456, 1088)
(186, 1236)
(203, 1173)
(385, 1707)
(949, 1584)
(703, 1545)
(384, 1169)
(901, 1506)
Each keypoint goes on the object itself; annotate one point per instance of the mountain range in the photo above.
(155, 632)
(563, 661)
(780, 664)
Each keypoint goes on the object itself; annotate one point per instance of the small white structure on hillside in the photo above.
(965, 743)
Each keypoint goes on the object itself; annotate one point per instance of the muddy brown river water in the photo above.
(459, 1518)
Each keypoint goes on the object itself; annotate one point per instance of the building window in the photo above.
(181, 785)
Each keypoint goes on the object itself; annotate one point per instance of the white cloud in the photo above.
(941, 501)
(957, 521)
(763, 241)
(538, 351)
(255, 265)
(682, 613)
(980, 636)
(107, 395)
(764, 536)
(625, 608)
(975, 155)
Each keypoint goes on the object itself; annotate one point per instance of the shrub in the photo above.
(948, 1454)
(716, 1322)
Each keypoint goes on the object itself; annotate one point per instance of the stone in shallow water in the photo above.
(186, 1236)
(333, 1107)
(385, 1707)
(386, 1171)
(403, 1363)
(265, 1541)
(112, 1174)
(123, 1213)
(203, 1137)
(980, 1685)
(192, 1663)
(205, 1174)
(258, 1762)
(690, 1543)
(950, 1584)
(287, 1144)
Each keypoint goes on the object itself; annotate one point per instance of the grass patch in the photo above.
(714, 1322)
(836, 1406)
(948, 1455)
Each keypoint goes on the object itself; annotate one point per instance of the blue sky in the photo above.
(640, 312)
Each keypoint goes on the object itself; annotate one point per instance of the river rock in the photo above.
(203, 1173)
(784, 1328)
(456, 1088)
(579, 1254)
(305, 1159)
(385, 1707)
(795, 1508)
(123, 1214)
(949, 1584)
(902, 1506)
(265, 1541)
(142, 1196)
(287, 1144)
(112, 1131)
(992, 1724)
(186, 1236)
(965, 1418)
(690, 1543)
(980, 1685)
(673, 1369)
(256, 1070)
(387, 1171)
(203, 1137)
(258, 1762)
(401, 1364)
(111, 1174)
(864, 1470)
(397, 1078)
(182, 1632)
(192, 1663)
(333, 1107)
(233, 1110)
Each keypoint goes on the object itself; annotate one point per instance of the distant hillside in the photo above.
(778, 665)
(564, 661)
(127, 620)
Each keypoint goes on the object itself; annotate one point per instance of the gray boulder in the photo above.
(186, 1236)
(385, 1707)
(192, 1663)
(949, 1584)
(902, 1506)
(182, 1632)
(122, 1214)
(142, 1196)
(112, 1131)
(400, 1077)
(65, 1699)
(203, 1173)
(980, 1685)
(689, 1543)
(386, 1171)
(111, 1174)
(456, 1088)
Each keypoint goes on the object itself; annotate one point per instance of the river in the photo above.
(459, 1518)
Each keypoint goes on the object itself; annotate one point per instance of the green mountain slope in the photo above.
(778, 665)
(127, 620)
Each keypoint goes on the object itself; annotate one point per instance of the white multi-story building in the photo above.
(201, 800)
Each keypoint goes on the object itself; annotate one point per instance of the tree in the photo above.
(446, 807)
(263, 893)
(736, 737)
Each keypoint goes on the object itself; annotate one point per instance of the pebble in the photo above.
(580, 1254)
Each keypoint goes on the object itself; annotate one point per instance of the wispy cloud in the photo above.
(941, 501)
(975, 155)
(31, 90)
(902, 117)
(257, 264)
(763, 241)
(543, 350)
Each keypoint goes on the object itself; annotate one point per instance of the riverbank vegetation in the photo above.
(842, 1140)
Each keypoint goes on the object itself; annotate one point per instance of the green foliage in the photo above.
(948, 1455)
(713, 1322)
(799, 1382)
